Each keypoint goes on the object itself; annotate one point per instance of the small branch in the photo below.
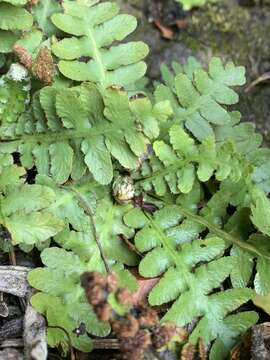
(262, 78)
(13, 261)
(110, 344)
(11, 343)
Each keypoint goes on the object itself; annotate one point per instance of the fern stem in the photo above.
(43, 19)
(170, 250)
(53, 136)
(222, 234)
(166, 171)
(88, 211)
(97, 57)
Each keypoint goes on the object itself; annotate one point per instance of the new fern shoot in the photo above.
(100, 179)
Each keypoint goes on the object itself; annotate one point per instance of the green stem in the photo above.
(88, 211)
(163, 172)
(223, 234)
(183, 269)
(53, 136)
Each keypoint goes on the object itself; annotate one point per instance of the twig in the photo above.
(13, 261)
(263, 77)
(111, 344)
(11, 343)
(130, 245)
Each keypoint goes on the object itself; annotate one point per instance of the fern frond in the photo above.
(14, 18)
(245, 261)
(177, 165)
(42, 12)
(62, 294)
(92, 223)
(92, 233)
(62, 299)
(199, 96)
(94, 28)
(70, 131)
(25, 215)
(188, 281)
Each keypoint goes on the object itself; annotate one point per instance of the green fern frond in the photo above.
(245, 261)
(14, 18)
(42, 12)
(178, 164)
(72, 130)
(92, 233)
(198, 97)
(62, 300)
(29, 221)
(92, 223)
(94, 27)
(187, 280)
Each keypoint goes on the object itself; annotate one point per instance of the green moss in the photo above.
(231, 31)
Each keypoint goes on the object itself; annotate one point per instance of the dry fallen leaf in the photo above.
(166, 32)
(144, 286)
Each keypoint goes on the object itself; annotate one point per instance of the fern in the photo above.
(62, 146)
(197, 96)
(28, 222)
(181, 162)
(244, 262)
(94, 29)
(92, 235)
(222, 147)
(190, 285)
(62, 299)
(42, 13)
(94, 221)
(10, 174)
(229, 154)
(47, 135)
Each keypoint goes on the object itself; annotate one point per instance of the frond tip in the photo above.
(94, 29)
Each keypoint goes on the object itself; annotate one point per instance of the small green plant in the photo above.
(100, 171)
